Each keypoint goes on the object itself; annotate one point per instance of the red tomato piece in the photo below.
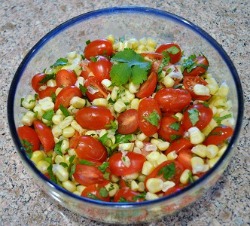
(128, 121)
(100, 68)
(94, 117)
(45, 135)
(152, 56)
(184, 158)
(149, 116)
(87, 175)
(65, 95)
(86, 72)
(148, 87)
(118, 168)
(172, 100)
(36, 81)
(29, 138)
(95, 89)
(91, 149)
(98, 47)
(190, 81)
(201, 66)
(179, 145)
(96, 191)
(197, 115)
(172, 49)
(48, 92)
(170, 129)
(65, 78)
(125, 194)
(219, 135)
(174, 189)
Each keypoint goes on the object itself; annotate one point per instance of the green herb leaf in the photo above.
(28, 147)
(64, 110)
(128, 65)
(57, 148)
(189, 64)
(165, 61)
(113, 125)
(220, 119)
(47, 77)
(167, 171)
(174, 137)
(190, 177)
(83, 89)
(72, 170)
(48, 159)
(103, 167)
(86, 162)
(104, 192)
(51, 174)
(173, 50)
(153, 118)
(87, 42)
(122, 199)
(48, 115)
(141, 196)
(175, 126)
(71, 159)
(60, 62)
(92, 196)
(65, 165)
(105, 140)
(119, 138)
(193, 115)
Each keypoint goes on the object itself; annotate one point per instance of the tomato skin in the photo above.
(89, 148)
(65, 95)
(45, 135)
(168, 131)
(219, 135)
(98, 47)
(148, 87)
(94, 117)
(205, 114)
(146, 107)
(93, 83)
(29, 134)
(172, 190)
(36, 81)
(119, 169)
(94, 190)
(48, 92)
(172, 100)
(202, 65)
(179, 145)
(100, 68)
(128, 121)
(87, 175)
(184, 158)
(125, 194)
(65, 78)
(176, 177)
(174, 58)
(190, 81)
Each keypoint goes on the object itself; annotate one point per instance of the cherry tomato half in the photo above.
(148, 87)
(29, 138)
(172, 49)
(118, 168)
(190, 81)
(170, 129)
(98, 47)
(94, 117)
(126, 194)
(48, 92)
(100, 68)
(36, 81)
(149, 116)
(179, 145)
(96, 191)
(197, 115)
(128, 121)
(184, 158)
(201, 64)
(45, 135)
(172, 100)
(87, 175)
(90, 149)
(65, 78)
(219, 135)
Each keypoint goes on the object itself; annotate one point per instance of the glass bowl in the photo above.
(137, 22)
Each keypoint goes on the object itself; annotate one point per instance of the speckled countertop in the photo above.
(24, 22)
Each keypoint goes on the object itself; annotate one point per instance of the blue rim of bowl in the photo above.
(110, 11)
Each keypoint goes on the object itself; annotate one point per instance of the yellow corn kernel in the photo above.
(168, 81)
(71, 151)
(154, 185)
(65, 146)
(172, 155)
(133, 88)
(135, 103)
(131, 176)
(202, 90)
(66, 122)
(100, 102)
(222, 150)
(196, 136)
(184, 179)
(39, 111)
(200, 150)
(112, 188)
(212, 162)
(211, 125)
(211, 151)
(77, 102)
(56, 119)
(114, 178)
(60, 172)
(68, 132)
(223, 90)
(29, 102)
(141, 186)
(179, 116)
(28, 118)
(106, 83)
(51, 83)
(46, 104)
(119, 106)
(77, 193)
(59, 159)
(147, 168)
(163, 145)
(198, 165)
(139, 144)
(80, 81)
(141, 178)
(42, 166)
(111, 38)
(153, 157)
(114, 93)
(56, 131)
(126, 147)
(141, 137)
(167, 185)
(69, 185)
(212, 85)
(151, 196)
(77, 127)
(80, 188)
(134, 185)
(37, 156)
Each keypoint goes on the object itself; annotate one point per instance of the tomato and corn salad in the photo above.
(126, 120)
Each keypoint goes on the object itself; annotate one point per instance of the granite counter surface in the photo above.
(24, 22)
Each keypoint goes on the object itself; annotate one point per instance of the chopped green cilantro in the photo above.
(113, 125)
(167, 171)
(220, 119)
(27, 147)
(103, 167)
(189, 64)
(87, 42)
(47, 77)
(173, 50)
(51, 174)
(129, 66)
(140, 196)
(190, 177)
(175, 126)
(122, 199)
(83, 89)
(119, 138)
(57, 148)
(86, 162)
(64, 110)
(92, 196)
(174, 137)
(65, 165)
(103, 192)
(72, 169)
(193, 115)
(153, 118)
(48, 115)
(165, 61)
(60, 62)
